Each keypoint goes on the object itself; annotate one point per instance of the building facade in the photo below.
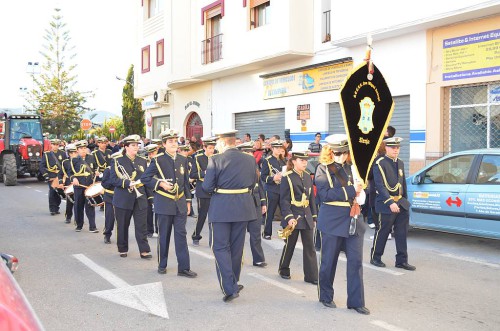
(276, 67)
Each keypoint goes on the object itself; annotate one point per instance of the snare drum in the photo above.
(70, 193)
(94, 194)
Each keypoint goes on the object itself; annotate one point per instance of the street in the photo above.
(76, 282)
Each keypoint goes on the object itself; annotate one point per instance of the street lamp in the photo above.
(126, 81)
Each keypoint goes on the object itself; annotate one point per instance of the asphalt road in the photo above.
(76, 282)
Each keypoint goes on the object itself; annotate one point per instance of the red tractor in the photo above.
(21, 146)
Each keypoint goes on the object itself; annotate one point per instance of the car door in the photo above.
(482, 203)
(438, 201)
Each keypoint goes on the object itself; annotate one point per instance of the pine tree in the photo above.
(54, 96)
(133, 115)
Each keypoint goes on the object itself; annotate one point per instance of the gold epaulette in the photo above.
(160, 154)
(142, 157)
(270, 156)
(287, 173)
(378, 160)
(118, 157)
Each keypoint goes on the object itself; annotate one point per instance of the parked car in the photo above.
(459, 193)
(15, 311)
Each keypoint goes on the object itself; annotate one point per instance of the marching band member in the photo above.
(337, 190)
(129, 197)
(168, 176)
(298, 210)
(66, 168)
(271, 173)
(109, 190)
(230, 178)
(82, 173)
(50, 167)
(197, 172)
(152, 218)
(253, 228)
(391, 205)
(102, 154)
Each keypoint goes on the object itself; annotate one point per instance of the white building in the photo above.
(276, 66)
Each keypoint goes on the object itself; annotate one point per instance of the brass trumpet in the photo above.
(286, 232)
(125, 175)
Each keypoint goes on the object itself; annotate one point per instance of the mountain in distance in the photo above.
(100, 116)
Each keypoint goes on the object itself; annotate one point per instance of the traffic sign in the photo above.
(85, 124)
(112, 129)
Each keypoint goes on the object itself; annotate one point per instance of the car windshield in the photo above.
(25, 128)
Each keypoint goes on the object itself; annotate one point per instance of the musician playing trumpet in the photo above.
(82, 174)
(129, 198)
(298, 210)
(271, 174)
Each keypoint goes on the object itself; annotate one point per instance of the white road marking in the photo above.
(145, 297)
(471, 259)
(200, 253)
(276, 283)
(38, 191)
(386, 326)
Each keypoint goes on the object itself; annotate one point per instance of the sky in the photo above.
(103, 33)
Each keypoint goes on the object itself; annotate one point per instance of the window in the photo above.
(154, 7)
(145, 59)
(160, 53)
(260, 12)
(325, 20)
(212, 45)
(450, 171)
(489, 170)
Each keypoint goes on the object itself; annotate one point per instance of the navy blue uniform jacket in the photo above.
(174, 169)
(334, 219)
(197, 172)
(122, 198)
(231, 170)
(292, 182)
(390, 182)
(271, 166)
(83, 169)
(51, 164)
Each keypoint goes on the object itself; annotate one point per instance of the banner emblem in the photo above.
(366, 106)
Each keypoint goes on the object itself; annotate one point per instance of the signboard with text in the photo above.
(318, 79)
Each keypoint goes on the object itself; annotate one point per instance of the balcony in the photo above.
(211, 49)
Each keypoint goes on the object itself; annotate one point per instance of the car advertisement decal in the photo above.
(484, 203)
(426, 200)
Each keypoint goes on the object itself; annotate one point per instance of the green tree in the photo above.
(55, 97)
(133, 115)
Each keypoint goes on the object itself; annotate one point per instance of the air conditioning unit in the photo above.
(164, 97)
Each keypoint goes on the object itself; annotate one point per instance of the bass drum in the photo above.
(95, 195)
(70, 193)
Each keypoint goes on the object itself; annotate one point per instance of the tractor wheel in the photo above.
(9, 170)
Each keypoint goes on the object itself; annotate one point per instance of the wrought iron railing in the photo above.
(211, 49)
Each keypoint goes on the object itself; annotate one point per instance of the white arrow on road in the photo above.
(147, 297)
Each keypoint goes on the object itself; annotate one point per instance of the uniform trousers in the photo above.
(203, 205)
(152, 219)
(178, 222)
(330, 248)
(386, 222)
(81, 204)
(109, 219)
(69, 209)
(226, 241)
(310, 264)
(273, 200)
(123, 217)
(254, 228)
(54, 200)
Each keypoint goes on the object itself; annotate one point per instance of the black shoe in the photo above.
(78, 229)
(162, 271)
(406, 266)
(240, 287)
(150, 235)
(329, 304)
(361, 310)
(123, 254)
(196, 243)
(107, 240)
(93, 230)
(187, 273)
(52, 213)
(376, 263)
(285, 276)
(146, 256)
(67, 221)
(314, 282)
(266, 236)
(260, 264)
(230, 297)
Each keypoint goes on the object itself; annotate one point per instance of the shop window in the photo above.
(160, 52)
(260, 12)
(145, 59)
